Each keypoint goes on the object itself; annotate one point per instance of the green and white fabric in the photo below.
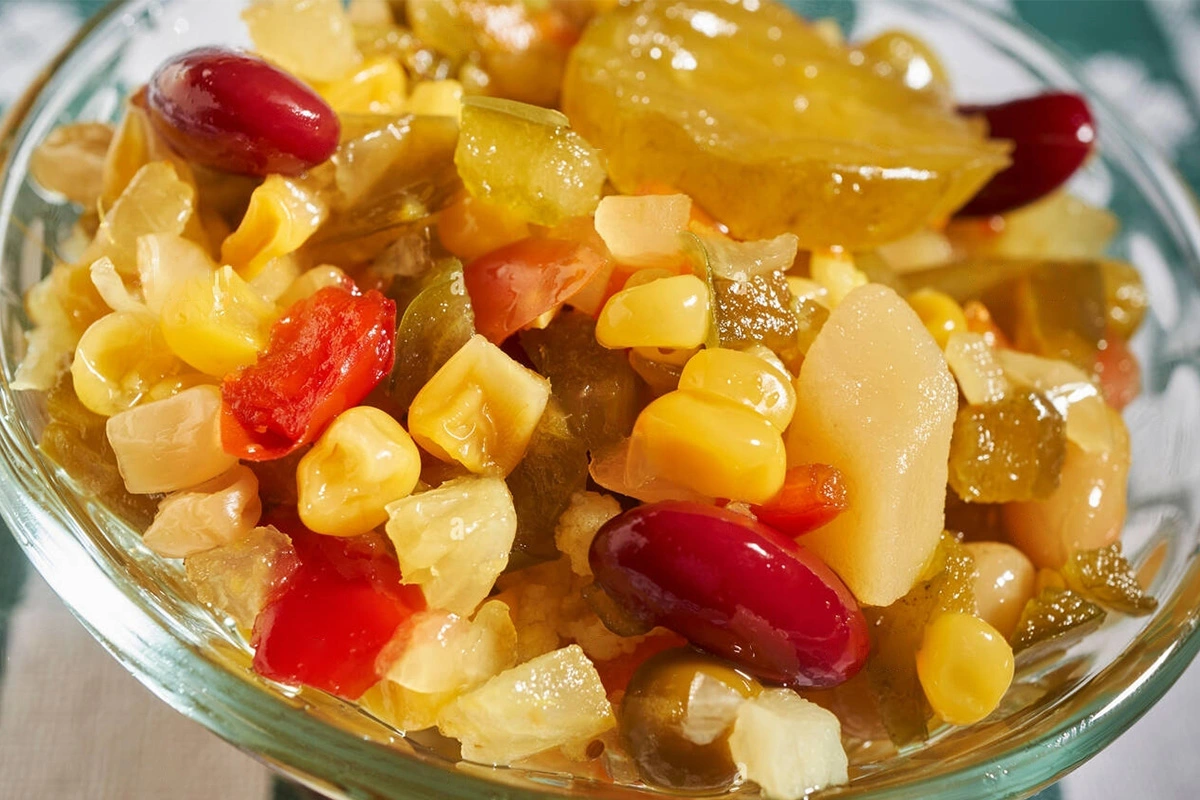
(73, 724)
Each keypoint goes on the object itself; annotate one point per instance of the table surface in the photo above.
(74, 724)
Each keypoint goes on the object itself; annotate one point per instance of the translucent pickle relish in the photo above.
(668, 392)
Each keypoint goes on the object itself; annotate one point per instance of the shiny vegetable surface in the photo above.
(733, 587)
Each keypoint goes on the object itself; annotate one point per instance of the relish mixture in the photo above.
(668, 392)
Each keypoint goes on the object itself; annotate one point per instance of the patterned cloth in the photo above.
(73, 724)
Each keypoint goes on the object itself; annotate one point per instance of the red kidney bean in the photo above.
(734, 587)
(237, 113)
(1053, 135)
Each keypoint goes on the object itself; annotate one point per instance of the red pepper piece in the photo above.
(514, 285)
(326, 354)
(338, 610)
(812, 495)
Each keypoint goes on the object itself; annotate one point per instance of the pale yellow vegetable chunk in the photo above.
(453, 541)
(527, 159)
(974, 364)
(309, 38)
(788, 745)
(479, 409)
(643, 231)
(170, 444)
(875, 399)
(215, 513)
(553, 700)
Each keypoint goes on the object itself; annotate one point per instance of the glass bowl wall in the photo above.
(1058, 714)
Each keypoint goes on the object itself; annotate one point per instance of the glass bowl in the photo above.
(1057, 715)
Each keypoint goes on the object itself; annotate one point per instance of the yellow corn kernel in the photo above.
(363, 461)
(965, 666)
(649, 275)
(378, 86)
(743, 378)
(470, 227)
(837, 273)
(808, 289)
(709, 444)
(310, 282)
(217, 323)
(479, 409)
(282, 214)
(436, 99)
(940, 314)
(670, 312)
(120, 357)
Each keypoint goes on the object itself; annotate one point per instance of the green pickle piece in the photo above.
(554, 467)
(897, 631)
(810, 318)
(1055, 618)
(597, 387)
(1056, 309)
(75, 439)
(1105, 577)
(503, 39)
(437, 322)
(671, 698)
(1012, 450)
(388, 178)
(527, 159)
(756, 311)
(712, 98)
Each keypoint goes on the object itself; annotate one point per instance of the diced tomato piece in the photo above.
(513, 286)
(338, 610)
(1118, 371)
(812, 495)
(326, 354)
(616, 673)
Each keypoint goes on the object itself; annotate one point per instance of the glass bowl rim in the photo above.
(155, 651)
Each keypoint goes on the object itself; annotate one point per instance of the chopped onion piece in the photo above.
(442, 652)
(974, 364)
(71, 161)
(787, 745)
(165, 261)
(171, 444)
(112, 289)
(643, 231)
(741, 261)
(1070, 391)
(310, 38)
(242, 577)
(215, 513)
